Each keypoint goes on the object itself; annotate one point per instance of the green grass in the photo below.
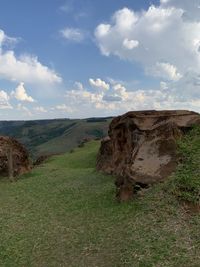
(185, 184)
(64, 213)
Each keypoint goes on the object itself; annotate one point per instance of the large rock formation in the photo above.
(20, 156)
(141, 147)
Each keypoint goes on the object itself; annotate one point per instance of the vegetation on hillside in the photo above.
(49, 137)
(64, 213)
(185, 183)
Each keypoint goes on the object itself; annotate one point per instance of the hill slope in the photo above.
(64, 214)
(47, 137)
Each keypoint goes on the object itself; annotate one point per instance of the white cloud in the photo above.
(67, 7)
(25, 68)
(4, 39)
(64, 108)
(120, 90)
(4, 100)
(103, 30)
(163, 85)
(165, 71)
(21, 94)
(163, 38)
(40, 109)
(117, 100)
(73, 34)
(114, 98)
(168, 48)
(130, 44)
(98, 83)
(164, 1)
(190, 8)
(83, 97)
(24, 109)
(78, 85)
(125, 19)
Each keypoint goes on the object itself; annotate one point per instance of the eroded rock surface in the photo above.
(141, 147)
(20, 156)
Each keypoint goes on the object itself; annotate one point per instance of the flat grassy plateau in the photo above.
(64, 213)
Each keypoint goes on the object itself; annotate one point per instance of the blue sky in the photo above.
(83, 58)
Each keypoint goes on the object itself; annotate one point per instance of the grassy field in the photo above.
(64, 213)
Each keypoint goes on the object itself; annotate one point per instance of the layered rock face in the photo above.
(20, 156)
(141, 147)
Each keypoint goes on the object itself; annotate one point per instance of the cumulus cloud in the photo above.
(78, 85)
(113, 98)
(6, 40)
(4, 100)
(40, 109)
(166, 71)
(163, 85)
(25, 68)
(73, 34)
(165, 40)
(125, 19)
(191, 8)
(120, 90)
(64, 108)
(98, 83)
(83, 97)
(130, 44)
(119, 99)
(159, 37)
(21, 94)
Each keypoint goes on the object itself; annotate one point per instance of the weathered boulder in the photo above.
(141, 147)
(21, 163)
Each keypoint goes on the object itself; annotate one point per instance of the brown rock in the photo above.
(21, 163)
(141, 147)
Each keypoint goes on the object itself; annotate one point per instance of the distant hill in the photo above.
(47, 137)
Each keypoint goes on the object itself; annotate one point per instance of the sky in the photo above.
(89, 58)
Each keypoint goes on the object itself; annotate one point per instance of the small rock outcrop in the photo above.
(21, 163)
(141, 147)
